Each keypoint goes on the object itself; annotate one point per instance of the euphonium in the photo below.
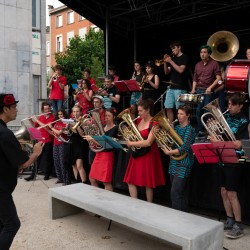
(92, 125)
(166, 135)
(216, 123)
(128, 129)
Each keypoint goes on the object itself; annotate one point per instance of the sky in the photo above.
(56, 4)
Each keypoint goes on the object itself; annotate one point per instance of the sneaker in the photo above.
(228, 226)
(235, 233)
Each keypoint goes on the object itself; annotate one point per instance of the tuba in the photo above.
(128, 129)
(215, 122)
(224, 45)
(92, 125)
(23, 135)
(166, 135)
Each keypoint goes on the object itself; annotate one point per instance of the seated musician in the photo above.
(102, 166)
(180, 169)
(230, 174)
(145, 170)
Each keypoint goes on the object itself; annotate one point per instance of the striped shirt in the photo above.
(182, 168)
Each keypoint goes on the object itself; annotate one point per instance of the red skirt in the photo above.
(102, 167)
(146, 170)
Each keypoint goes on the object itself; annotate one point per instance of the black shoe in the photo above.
(46, 177)
(29, 178)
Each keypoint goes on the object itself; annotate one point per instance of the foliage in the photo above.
(80, 54)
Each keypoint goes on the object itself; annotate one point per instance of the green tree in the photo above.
(80, 54)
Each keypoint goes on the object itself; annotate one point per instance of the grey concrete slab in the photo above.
(183, 229)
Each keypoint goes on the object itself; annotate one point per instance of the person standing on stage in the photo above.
(207, 76)
(145, 170)
(231, 173)
(248, 53)
(86, 74)
(83, 95)
(150, 82)
(57, 85)
(113, 72)
(176, 66)
(138, 75)
(179, 170)
(102, 166)
(45, 160)
(12, 157)
(111, 95)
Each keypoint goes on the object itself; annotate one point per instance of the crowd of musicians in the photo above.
(71, 142)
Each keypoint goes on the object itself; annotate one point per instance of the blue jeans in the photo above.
(200, 111)
(179, 193)
(9, 220)
(56, 105)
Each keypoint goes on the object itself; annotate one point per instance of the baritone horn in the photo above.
(215, 123)
(128, 129)
(166, 136)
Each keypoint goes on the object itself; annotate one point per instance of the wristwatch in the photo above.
(220, 82)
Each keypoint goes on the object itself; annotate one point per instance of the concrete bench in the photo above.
(183, 229)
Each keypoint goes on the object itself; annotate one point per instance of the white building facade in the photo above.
(23, 54)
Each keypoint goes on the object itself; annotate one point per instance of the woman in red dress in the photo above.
(102, 166)
(146, 170)
(83, 96)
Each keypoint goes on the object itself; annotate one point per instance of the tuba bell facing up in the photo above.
(215, 122)
(166, 135)
(128, 129)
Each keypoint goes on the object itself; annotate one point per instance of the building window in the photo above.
(70, 35)
(81, 18)
(59, 47)
(59, 21)
(95, 28)
(36, 14)
(82, 33)
(70, 16)
(47, 48)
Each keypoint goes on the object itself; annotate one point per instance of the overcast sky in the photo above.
(56, 4)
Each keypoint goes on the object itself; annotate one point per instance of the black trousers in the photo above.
(45, 160)
(179, 193)
(9, 220)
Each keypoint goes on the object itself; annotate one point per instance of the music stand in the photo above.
(215, 152)
(107, 142)
(127, 86)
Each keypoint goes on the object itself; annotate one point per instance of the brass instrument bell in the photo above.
(224, 45)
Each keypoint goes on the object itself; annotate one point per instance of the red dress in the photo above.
(146, 170)
(102, 166)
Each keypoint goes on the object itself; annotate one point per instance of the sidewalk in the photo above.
(81, 231)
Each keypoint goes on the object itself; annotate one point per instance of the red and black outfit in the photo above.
(146, 170)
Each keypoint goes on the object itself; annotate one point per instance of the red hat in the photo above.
(7, 100)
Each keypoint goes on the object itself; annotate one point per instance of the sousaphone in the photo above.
(224, 44)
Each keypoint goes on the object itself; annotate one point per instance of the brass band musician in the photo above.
(176, 66)
(146, 170)
(230, 174)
